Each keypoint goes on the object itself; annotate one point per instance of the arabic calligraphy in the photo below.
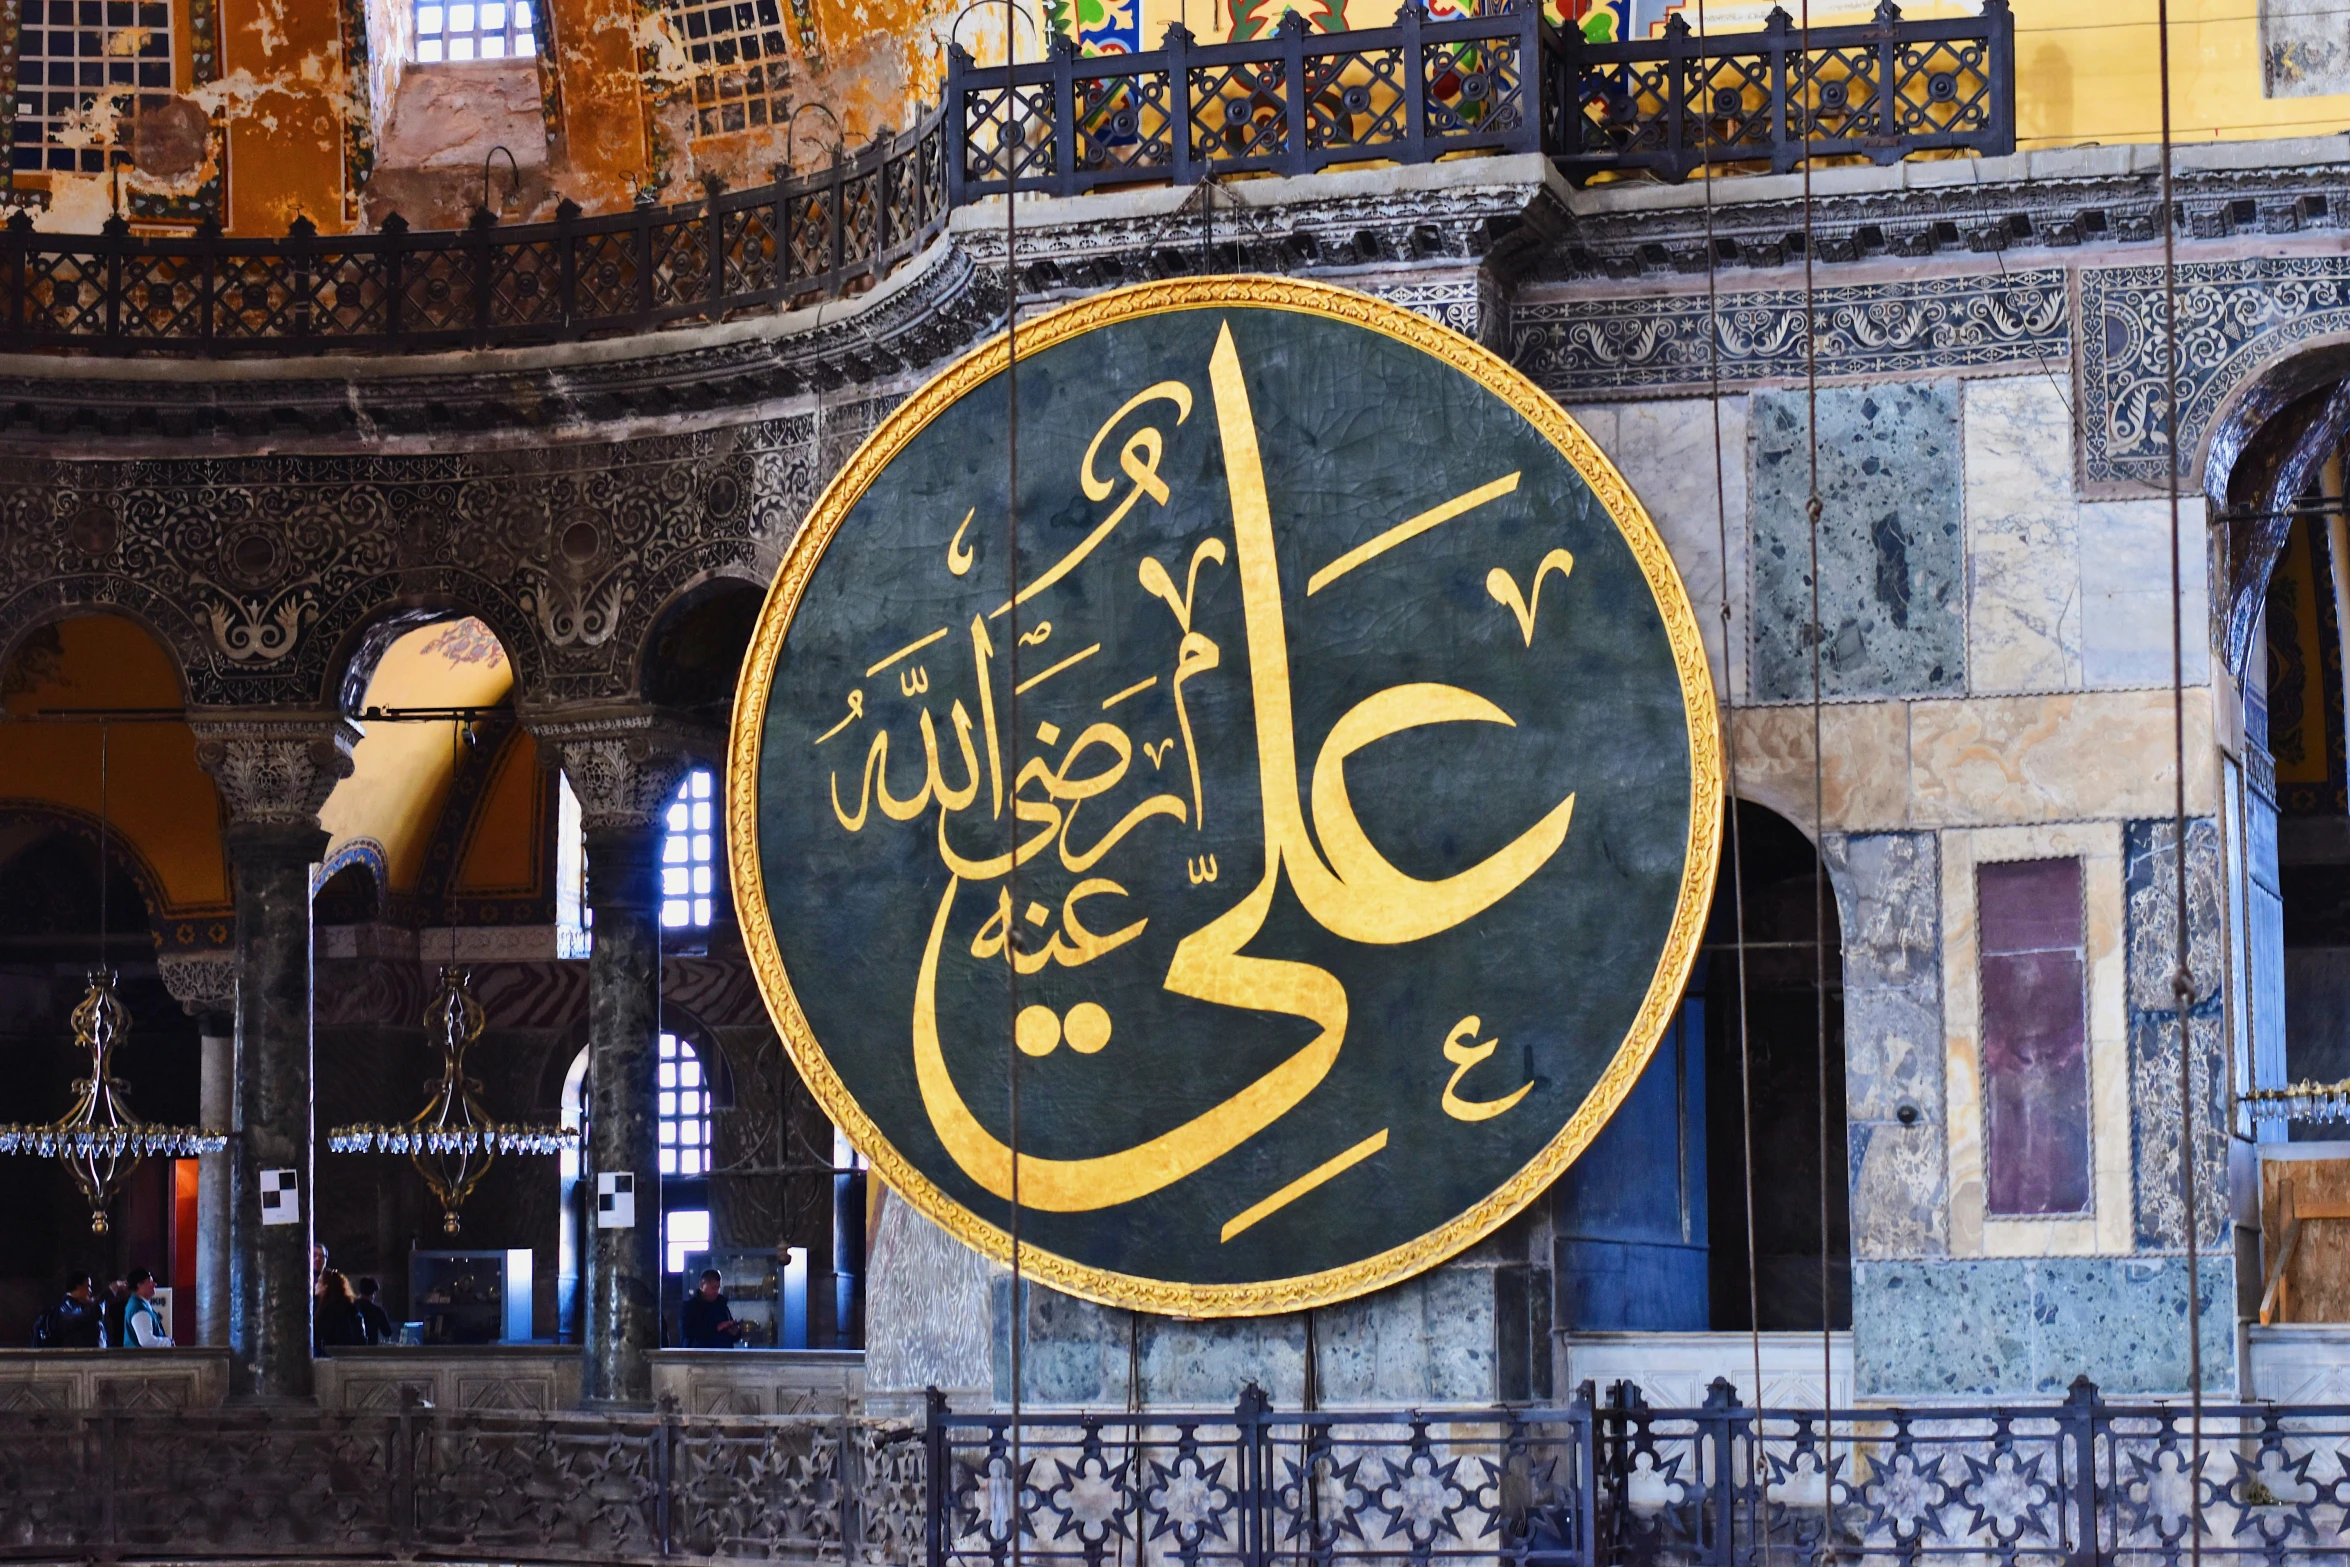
(1177, 866)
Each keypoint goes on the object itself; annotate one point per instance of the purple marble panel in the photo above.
(2033, 972)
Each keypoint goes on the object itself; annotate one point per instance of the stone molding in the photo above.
(623, 766)
(274, 771)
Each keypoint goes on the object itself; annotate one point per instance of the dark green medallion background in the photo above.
(1358, 431)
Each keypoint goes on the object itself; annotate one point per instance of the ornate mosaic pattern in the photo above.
(1589, 344)
(2235, 317)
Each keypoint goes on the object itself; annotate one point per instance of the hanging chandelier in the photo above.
(2301, 1102)
(99, 1139)
(452, 1140)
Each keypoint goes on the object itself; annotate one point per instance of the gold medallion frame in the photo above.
(1631, 1057)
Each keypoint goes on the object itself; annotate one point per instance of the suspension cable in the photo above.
(1819, 817)
(2182, 975)
(1015, 145)
(1729, 720)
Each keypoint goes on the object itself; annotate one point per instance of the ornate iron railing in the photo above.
(2082, 1483)
(1294, 103)
(1885, 90)
(406, 291)
(477, 1485)
(1496, 79)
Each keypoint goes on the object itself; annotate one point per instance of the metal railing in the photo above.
(1885, 90)
(480, 1485)
(1498, 78)
(403, 291)
(1294, 103)
(1619, 1484)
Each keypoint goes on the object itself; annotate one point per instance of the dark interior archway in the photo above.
(1651, 1221)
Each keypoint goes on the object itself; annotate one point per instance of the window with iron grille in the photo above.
(476, 30)
(689, 855)
(740, 69)
(685, 1110)
(72, 53)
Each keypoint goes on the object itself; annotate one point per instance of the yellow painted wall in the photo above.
(160, 801)
(2088, 70)
(400, 771)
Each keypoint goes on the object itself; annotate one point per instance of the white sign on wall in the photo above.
(281, 1197)
(615, 1200)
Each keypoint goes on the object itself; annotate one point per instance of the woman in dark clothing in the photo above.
(336, 1321)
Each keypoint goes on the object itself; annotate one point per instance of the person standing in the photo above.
(336, 1320)
(375, 1323)
(73, 1323)
(110, 1312)
(706, 1322)
(142, 1319)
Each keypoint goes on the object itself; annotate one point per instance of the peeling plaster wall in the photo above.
(450, 118)
(287, 95)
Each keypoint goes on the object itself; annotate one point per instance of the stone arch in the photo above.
(2260, 451)
(692, 648)
(346, 642)
(27, 824)
(69, 598)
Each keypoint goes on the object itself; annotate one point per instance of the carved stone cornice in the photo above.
(274, 769)
(200, 982)
(624, 764)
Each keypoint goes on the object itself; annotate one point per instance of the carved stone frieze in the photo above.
(200, 982)
(274, 770)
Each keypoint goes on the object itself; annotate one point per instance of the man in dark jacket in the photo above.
(73, 1322)
(375, 1323)
(705, 1323)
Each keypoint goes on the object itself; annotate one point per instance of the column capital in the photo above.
(274, 767)
(624, 763)
(200, 982)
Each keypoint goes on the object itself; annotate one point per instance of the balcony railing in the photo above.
(403, 291)
(2080, 1482)
(1295, 103)
(1497, 79)
(1886, 90)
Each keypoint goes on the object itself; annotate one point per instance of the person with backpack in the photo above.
(142, 1319)
(73, 1322)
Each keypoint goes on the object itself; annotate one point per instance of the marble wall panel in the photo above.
(1999, 760)
(1428, 1340)
(1864, 750)
(2125, 595)
(1696, 495)
(2150, 868)
(1891, 545)
(2023, 539)
(2006, 1327)
(1889, 904)
(926, 1307)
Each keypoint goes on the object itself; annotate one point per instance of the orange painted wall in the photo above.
(596, 50)
(503, 849)
(160, 801)
(285, 89)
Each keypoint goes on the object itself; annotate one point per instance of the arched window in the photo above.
(689, 863)
(685, 1110)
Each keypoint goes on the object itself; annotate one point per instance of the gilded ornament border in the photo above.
(1698, 868)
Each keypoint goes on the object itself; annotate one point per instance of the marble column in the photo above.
(274, 770)
(623, 768)
(205, 986)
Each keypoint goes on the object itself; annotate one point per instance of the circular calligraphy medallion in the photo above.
(1307, 797)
